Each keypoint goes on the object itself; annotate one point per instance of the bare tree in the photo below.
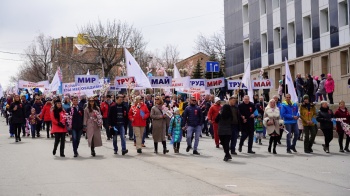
(105, 44)
(212, 45)
(170, 55)
(37, 60)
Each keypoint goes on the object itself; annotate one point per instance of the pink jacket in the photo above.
(329, 85)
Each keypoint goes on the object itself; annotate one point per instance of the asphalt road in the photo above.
(29, 168)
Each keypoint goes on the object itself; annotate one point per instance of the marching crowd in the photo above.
(175, 117)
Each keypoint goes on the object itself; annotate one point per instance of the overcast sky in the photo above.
(162, 22)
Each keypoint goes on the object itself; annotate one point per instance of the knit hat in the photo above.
(216, 99)
(322, 75)
(305, 97)
(280, 81)
(329, 75)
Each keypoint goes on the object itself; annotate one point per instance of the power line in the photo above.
(11, 53)
(181, 19)
(10, 59)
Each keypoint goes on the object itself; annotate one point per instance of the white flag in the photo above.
(290, 84)
(134, 69)
(56, 81)
(176, 72)
(1, 91)
(247, 82)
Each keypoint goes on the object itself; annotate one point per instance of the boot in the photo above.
(164, 147)
(260, 142)
(156, 147)
(93, 151)
(270, 144)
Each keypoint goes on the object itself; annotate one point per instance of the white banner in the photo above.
(86, 80)
(215, 83)
(26, 84)
(122, 82)
(134, 69)
(73, 88)
(194, 90)
(197, 83)
(160, 81)
(56, 81)
(182, 82)
(256, 84)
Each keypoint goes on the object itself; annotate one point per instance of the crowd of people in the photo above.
(168, 119)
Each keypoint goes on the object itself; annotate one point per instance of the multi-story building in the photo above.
(312, 34)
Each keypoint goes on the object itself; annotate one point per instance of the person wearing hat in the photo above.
(321, 91)
(58, 127)
(308, 116)
(92, 125)
(46, 117)
(175, 131)
(329, 86)
(212, 113)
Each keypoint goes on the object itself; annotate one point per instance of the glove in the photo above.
(61, 124)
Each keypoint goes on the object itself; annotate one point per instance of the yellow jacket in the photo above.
(306, 114)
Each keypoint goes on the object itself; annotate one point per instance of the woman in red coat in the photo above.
(46, 117)
(138, 115)
(58, 127)
(342, 112)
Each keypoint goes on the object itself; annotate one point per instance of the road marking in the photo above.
(231, 185)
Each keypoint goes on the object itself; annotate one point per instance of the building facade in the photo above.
(312, 34)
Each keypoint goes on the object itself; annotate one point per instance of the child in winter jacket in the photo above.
(259, 129)
(175, 130)
(33, 120)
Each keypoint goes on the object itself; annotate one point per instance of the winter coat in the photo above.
(342, 114)
(55, 127)
(329, 85)
(27, 109)
(324, 116)
(213, 112)
(288, 111)
(117, 114)
(93, 130)
(104, 109)
(321, 87)
(158, 124)
(65, 106)
(224, 125)
(17, 115)
(246, 110)
(299, 84)
(135, 115)
(307, 114)
(274, 115)
(192, 116)
(77, 117)
(309, 86)
(175, 129)
(45, 112)
(82, 103)
(38, 107)
(315, 86)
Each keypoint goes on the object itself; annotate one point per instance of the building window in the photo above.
(343, 13)
(263, 43)
(324, 21)
(275, 4)
(307, 27)
(307, 67)
(262, 7)
(344, 62)
(246, 49)
(245, 13)
(324, 64)
(291, 33)
(277, 38)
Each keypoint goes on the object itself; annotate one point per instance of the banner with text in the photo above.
(182, 82)
(215, 83)
(122, 82)
(73, 88)
(25, 84)
(194, 90)
(160, 81)
(256, 84)
(198, 83)
(86, 80)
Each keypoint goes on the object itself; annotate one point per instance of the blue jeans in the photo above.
(292, 128)
(197, 131)
(319, 95)
(300, 95)
(234, 137)
(32, 129)
(76, 139)
(122, 138)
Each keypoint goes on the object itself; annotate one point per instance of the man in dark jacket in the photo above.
(150, 104)
(235, 123)
(27, 108)
(299, 83)
(309, 87)
(116, 118)
(205, 106)
(77, 114)
(246, 110)
(193, 117)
